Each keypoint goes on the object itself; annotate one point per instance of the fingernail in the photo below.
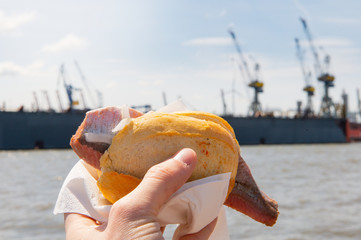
(186, 155)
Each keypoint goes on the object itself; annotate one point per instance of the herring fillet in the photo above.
(99, 122)
(245, 197)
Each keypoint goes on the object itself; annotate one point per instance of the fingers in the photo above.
(164, 179)
(205, 233)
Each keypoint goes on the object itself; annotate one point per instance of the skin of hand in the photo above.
(135, 215)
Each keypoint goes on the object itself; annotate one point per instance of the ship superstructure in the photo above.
(253, 79)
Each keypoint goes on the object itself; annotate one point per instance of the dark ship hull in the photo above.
(252, 130)
(29, 130)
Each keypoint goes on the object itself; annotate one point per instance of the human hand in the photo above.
(135, 215)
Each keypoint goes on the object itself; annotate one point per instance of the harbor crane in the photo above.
(324, 76)
(309, 89)
(46, 96)
(254, 82)
(358, 101)
(224, 103)
(99, 94)
(69, 89)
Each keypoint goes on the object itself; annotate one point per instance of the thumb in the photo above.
(164, 179)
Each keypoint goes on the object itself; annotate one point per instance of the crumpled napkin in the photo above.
(193, 206)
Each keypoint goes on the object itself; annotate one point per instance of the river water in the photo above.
(318, 189)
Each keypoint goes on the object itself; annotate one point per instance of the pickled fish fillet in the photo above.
(94, 135)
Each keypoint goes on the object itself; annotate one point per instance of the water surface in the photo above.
(318, 189)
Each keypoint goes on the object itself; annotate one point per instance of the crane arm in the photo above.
(302, 62)
(68, 87)
(238, 48)
(358, 100)
(319, 69)
(85, 82)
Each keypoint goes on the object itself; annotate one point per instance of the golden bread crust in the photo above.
(155, 137)
(210, 117)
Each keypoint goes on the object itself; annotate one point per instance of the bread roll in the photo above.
(156, 137)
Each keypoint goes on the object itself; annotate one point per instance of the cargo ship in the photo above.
(49, 130)
(38, 130)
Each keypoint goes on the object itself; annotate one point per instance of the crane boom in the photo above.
(318, 67)
(302, 62)
(238, 48)
(255, 108)
(46, 96)
(224, 103)
(85, 83)
(358, 100)
(308, 112)
(328, 108)
(68, 87)
(36, 101)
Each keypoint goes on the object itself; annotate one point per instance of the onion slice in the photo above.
(99, 137)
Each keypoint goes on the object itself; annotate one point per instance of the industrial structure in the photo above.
(327, 108)
(331, 125)
(255, 108)
(99, 102)
(358, 101)
(309, 89)
(69, 90)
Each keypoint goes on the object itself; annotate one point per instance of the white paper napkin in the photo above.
(193, 206)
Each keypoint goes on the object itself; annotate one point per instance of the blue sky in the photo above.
(133, 51)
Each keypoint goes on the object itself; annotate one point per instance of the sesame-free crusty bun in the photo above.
(156, 137)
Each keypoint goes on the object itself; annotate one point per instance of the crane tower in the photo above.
(69, 90)
(255, 108)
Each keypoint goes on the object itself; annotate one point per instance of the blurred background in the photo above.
(143, 52)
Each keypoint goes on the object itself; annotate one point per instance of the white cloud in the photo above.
(329, 42)
(11, 22)
(343, 20)
(148, 83)
(223, 13)
(348, 51)
(215, 41)
(111, 84)
(334, 42)
(69, 42)
(12, 69)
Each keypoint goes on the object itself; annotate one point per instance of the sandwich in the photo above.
(123, 145)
